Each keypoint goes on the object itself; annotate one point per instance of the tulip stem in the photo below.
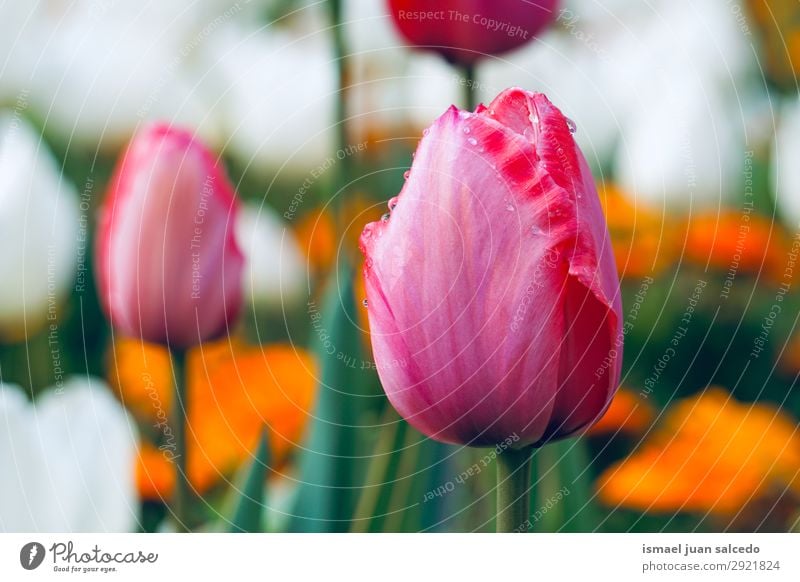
(181, 495)
(344, 171)
(513, 490)
(468, 72)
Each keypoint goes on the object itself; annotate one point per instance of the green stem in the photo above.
(345, 159)
(468, 71)
(183, 490)
(513, 489)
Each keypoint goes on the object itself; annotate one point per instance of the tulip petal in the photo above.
(493, 295)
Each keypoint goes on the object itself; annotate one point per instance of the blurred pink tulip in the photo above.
(168, 265)
(493, 296)
(465, 31)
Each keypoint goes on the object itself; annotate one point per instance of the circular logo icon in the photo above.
(31, 555)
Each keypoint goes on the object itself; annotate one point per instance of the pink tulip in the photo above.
(493, 296)
(168, 264)
(463, 32)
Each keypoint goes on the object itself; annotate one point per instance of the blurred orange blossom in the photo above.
(642, 237)
(710, 454)
(730, 239)
(235, 391)
(628, 414)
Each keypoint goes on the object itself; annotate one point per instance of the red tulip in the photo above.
(465, 30)
(168, 265)
(493, 296)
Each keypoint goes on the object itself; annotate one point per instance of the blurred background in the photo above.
(689, 115)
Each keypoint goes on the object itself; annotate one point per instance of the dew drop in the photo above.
(406, 174)
(571, 125)
(365, 303)
(386, 217)
(533, 118)
(426, 131)
(472, 141)
(537, 231)
(466, 130)
(392, 203)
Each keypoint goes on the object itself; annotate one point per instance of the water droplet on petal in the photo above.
(533, 117)
(393, 203)
(537, 231)
(510, 207)
(472, 141)
(571, 125)
(466, 130)
(426, 131)
(406, 174)
(365, 303)
(386, 217)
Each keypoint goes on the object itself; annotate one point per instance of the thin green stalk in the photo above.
(345, 160)
(468, 71)
(513, 490)
(376, 473)
(183, 490)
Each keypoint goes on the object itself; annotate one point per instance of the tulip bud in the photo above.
(169, 267)
(463, 32)
(492, 293)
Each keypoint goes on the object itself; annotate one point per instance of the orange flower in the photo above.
(155, 474)
(142, 377)
(778, 22)
(642, 240)
(234, 393)
(627, 414)
(316, 232)
(733, 240)
(711, 454)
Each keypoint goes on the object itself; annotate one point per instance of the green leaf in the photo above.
(565, 500)
(250, 500)
(330, 466)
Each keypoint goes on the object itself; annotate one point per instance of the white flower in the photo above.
(68, 461)
(274, 92)
(39, 221)
(572, 70)
(683, 79)
(274, 270)
(785, 171)
(378, 59)
(431, 86)
(104, 70)
(684, 150)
